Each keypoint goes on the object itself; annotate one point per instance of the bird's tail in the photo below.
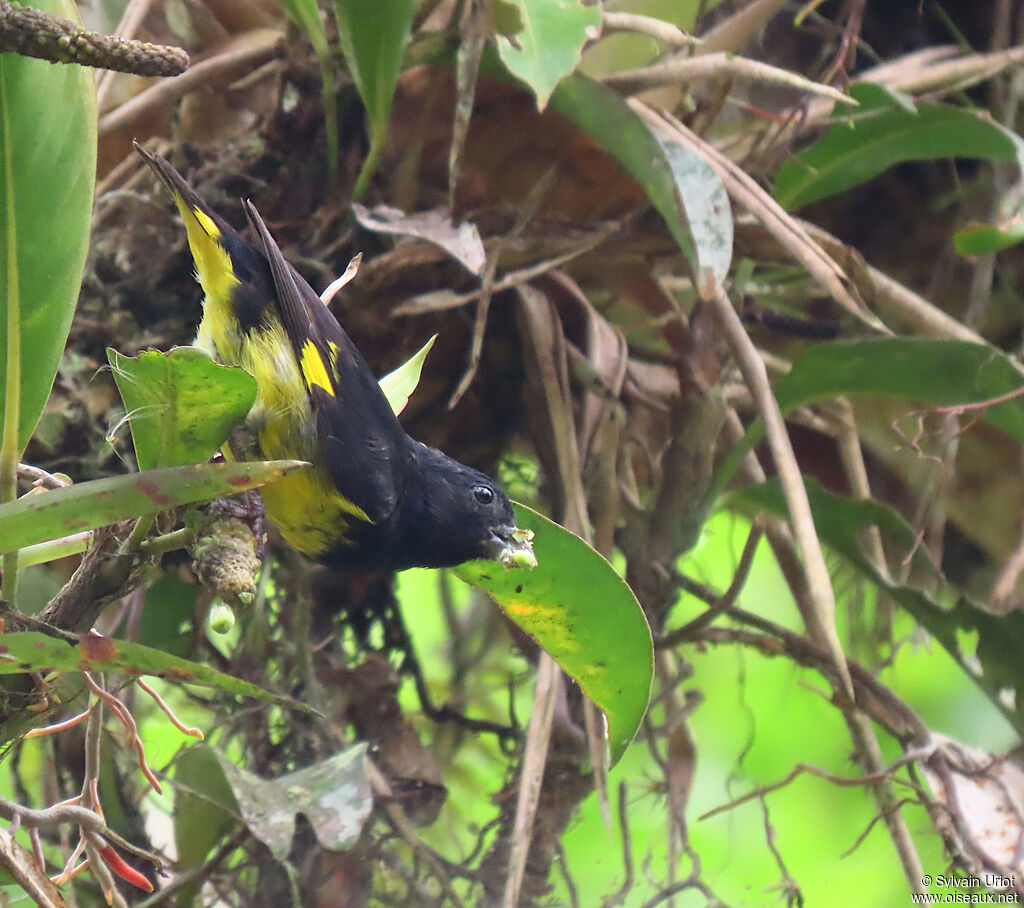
(205, 230)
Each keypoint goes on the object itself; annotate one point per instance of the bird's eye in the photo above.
(483, 494)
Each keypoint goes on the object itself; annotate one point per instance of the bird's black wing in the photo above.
(367, 449)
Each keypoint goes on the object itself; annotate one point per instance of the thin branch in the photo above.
(724, 602)
(538, 735)
(40, 478)
(658, 29)
(911, 756)
(821, 621)
(563, 868)
(627, 851)
(715, 66)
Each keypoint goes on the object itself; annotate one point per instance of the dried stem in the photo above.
(821, 620)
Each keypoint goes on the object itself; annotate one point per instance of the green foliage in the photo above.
(940, 373)
(399, 384)
(936, 373)
(32, 651)
(549, 44)
(47, 172)
(584, 615)
(205, 810)
(48, 515)
(373, 38)
(758, 719)
(884, 130)
(986, 647)
(680, 185)
(180, 404)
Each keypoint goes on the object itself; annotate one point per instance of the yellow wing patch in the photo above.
(314, 369)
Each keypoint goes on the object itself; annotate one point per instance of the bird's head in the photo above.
(461, 514)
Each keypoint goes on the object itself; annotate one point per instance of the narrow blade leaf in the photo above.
(37, 517)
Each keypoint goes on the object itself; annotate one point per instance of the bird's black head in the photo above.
(456, 514)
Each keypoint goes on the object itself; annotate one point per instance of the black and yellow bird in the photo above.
(374, 498)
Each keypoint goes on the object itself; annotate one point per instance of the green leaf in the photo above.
(306, 14)
(39, 516)
(886, 129)
(33, 651)
(205, 811)
(373, 36)
(180, 404)
(681, 185)
(987, 647)
(47, 174)
(584, 615)
(938, 373)
(333, 795)
(399, 384)
(977, 239)
(549, 46)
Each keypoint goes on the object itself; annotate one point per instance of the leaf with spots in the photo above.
(36, 652)
(43, 515)
(584, 615)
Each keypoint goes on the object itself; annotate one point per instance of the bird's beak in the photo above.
(512, 547)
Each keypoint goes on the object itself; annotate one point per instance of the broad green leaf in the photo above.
(987, 647)
(684, 189)
(584, 615)
(373, 36)
(39, 516)
(205, 810)
(549, 46)
(938, 373)
(35, 652)
(333, 795)
(47, 174)
(180, 404)
(941, 373)
(888, 128)
(399, 385)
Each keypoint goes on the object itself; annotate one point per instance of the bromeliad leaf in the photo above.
(42, 516)
(888, 128)
(373, 36)
(35, 652)
(940, 373)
